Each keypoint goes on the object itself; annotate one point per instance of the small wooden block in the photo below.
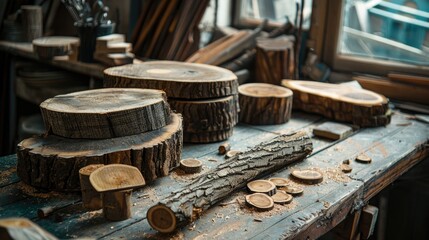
(224, 148)
(112, 38)
(279, 182)
(363, 158)
(191, 165)
(293, 190)
(120, 47)
(332, 130)
(367, 222)
(115, 177)
(308, 176)
(260, 201)
(262, 186)
(232, 153)
(346, 168)
(282, 197)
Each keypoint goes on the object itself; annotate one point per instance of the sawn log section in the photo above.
(186, 204)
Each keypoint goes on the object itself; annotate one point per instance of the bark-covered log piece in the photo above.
(203, 116)
(22, 228)
(91, 199)
(342, 103)
(186, 204)
(49, 47)
(262, 103)
(105, 113)
(177, 79)
(274, 60)
(53, 162)
(32, 19)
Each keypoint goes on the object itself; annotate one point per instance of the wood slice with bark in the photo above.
(49, 47)
(177, 79)
(281, 197)
(260, 201)
(206, 115)
(22, 228)
(105, 113)
(308, 176)
(191, 165)
(262, 103)
(53, 162)
(274, 60)
(186, 204)
(343, 103)
(91, 199)
(262, 186)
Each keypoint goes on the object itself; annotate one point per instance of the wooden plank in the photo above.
(410, 79)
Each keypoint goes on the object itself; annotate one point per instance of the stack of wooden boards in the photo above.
(342, 103)
(104, 126)
(168, 29)
(206, 96)
(112, 50)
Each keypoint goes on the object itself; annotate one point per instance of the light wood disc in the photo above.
(191, 165)
(363, 158)
(280, 182)
(346, 168)
(262, 186)
(309, 176)
(177, 79)
(293, 190)
(115, 177)
(260, 201)
(282, 197)
(161, 218)
(105, 113)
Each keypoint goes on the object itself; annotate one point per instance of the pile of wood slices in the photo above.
(105, 126)
(206, 96)
(339, 102)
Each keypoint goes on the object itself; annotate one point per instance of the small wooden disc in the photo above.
(49, 47)
(346, 168)
(115, 177)
(363, 158)
(279, 182)
(191, 165)
(260, 201)
(309, 176)
(293, 190)
(161, 218)
(282, 197)
(262, 186)
(232, 153)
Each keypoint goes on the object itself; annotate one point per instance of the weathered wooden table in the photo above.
(394, 149)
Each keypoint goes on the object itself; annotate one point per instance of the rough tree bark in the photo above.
(186, 204)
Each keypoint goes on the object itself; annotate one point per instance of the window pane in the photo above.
(395, 30)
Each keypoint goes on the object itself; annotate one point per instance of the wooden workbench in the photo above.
(394, 149)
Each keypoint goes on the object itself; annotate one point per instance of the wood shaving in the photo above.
(89, 215)
(5, 174)
(336, 175)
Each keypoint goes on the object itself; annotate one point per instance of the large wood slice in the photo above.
(206, 115)
(177, 79)
(262, 103)
(358, 106)
(53, 162)
(186, 204)
(49, 47)
(106, 113)
(274, 60)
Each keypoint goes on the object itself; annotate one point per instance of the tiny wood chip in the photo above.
(308, 176)
(279, 182)
(262, 186)
(363, 158)
(332, 130)
(260, 201)
(191, 165)
(282, 197)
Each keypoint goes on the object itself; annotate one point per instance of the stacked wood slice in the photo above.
(50, 47)
(206, 96)
(262, 103)
(342, 103)
(274, 60)
(112, 50)
(104, 126)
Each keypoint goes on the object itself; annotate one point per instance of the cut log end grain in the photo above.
(346, 168)
(224, 148)
(281, 197)
(105, 113)
(293, 190)
(363, 158)
(262, 103)
(280, 182)
(308, 176)
(53, 162)
(262, 186)
(162, 219)
(177, 79)
(49, 47)
(191, 165)
(260, 201)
